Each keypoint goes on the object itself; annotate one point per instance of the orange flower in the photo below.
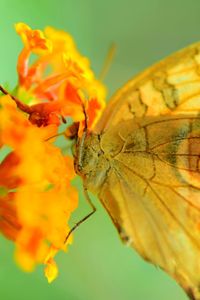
(35, 215)
(36, 195)
(34, 41)
(57, 52)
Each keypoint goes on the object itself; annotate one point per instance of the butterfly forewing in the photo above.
(171, 86)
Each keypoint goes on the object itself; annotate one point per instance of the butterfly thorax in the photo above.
(90, 161)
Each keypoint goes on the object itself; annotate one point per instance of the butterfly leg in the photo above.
(86, 217)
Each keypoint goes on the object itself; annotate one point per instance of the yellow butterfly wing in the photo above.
(151, 136)
(171, 86)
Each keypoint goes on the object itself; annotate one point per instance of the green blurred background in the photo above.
(97, 265)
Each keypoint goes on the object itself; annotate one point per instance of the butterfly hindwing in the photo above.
(152, 191)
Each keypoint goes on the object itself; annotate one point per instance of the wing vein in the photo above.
(172, 215)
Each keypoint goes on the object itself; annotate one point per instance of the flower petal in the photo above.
(34, 40)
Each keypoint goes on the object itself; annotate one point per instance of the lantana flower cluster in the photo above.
(36, 195)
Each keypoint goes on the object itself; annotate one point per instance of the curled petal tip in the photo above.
(51, 270)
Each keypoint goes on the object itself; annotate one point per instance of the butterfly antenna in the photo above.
(108, 61)
(83, 219)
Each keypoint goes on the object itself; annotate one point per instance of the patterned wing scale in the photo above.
(150, 133)
(170, 87)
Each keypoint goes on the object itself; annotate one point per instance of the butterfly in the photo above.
(142, 160)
